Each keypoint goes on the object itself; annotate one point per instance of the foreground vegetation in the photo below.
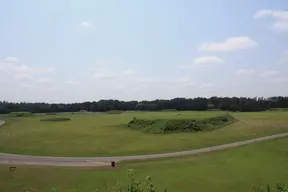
(239, 169)
(182, 104)
(147, 186)
(102, 134)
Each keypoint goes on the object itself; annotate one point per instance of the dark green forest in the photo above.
(182, 104)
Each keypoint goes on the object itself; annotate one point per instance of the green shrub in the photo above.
(56, 119)
(181, 125)
(279, 187)
(20, 114)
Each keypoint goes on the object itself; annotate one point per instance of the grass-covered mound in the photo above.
(51, 113)
(181, 125)
(20, 114)
(114, 112)
(278, 109)
(168, 110)
(56, 119)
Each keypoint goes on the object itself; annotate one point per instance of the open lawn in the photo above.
(237, 169)
(102, 134)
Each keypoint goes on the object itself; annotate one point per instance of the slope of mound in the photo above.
(278, 109)
(181, 125)
(56, 119)
(20, 114)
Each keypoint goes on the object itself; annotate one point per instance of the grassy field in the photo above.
(237, 169)
(102, 134)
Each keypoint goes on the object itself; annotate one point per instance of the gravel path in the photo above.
(105, 161)
(2, 122)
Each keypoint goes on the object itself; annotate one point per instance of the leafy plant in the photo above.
(278, 188)
(137, 186)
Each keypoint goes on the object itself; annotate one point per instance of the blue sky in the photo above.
(70, 51)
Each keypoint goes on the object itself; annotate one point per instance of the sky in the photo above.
(75, 51)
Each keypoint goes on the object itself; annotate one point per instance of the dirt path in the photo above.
(2, 122)
(105, 161)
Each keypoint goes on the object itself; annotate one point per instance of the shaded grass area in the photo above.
(238, 169)
(114, 112)
(181, 125)
(20, 114)
(278, 109)
(99, 134)
(57, 119)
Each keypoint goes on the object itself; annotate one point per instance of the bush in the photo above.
(181, 125)
(57, 119)
(137, 186)
(279, 187)
(20, 114)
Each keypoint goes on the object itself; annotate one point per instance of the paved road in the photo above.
(105, 161)
(2, 122)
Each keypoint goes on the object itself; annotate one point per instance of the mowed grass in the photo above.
(102, 134)
(237, 169)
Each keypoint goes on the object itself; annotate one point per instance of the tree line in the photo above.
(243, 104)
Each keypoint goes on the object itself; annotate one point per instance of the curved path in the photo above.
(105, 161)
(2, 122)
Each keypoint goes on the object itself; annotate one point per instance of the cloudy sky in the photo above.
(71, 50)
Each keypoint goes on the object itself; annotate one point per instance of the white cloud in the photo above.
(15, 69)
(171, 82)
(277, 14)
(120, 86)
(179, 82)
(24, 85)
(183, 79)
(72, 83)
(269, 73)
(280, 79)
(185, 67)
(245, 71)
(46, 80)
(281, 26)
(129, 72)
(51, 89)
(230, 44)
(103, 76)
(11, 59)
(208, 60)
(207, 86)
(281, 17)
(22, 76)
(85, 24)
(284, 57)
(105, 73)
